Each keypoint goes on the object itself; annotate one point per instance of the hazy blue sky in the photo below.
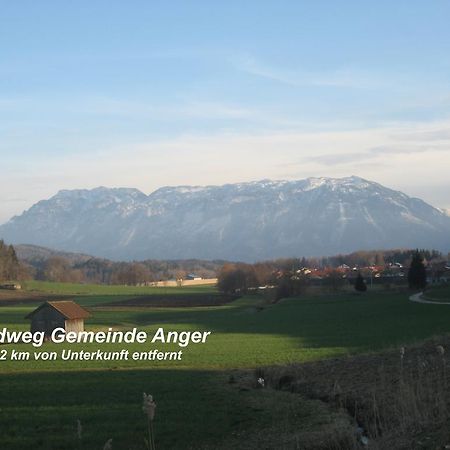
(146, 93)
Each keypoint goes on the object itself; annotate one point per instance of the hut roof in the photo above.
(69, 309)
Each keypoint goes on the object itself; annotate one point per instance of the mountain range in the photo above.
(245, 221)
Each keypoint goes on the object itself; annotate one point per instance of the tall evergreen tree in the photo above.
(417, 275)
(9, 264)
(360, 284)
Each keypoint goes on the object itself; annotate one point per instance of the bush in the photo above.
(360, 284)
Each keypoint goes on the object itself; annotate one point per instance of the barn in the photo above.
(58, 314)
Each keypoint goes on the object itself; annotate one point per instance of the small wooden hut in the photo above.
(60, 314)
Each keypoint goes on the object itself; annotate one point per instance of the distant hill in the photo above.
(53, 265)
(245, 221)
(36, 253)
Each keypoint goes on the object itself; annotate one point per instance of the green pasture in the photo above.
(197, 408)
(441, 293)
(244, 334)
(48, 287)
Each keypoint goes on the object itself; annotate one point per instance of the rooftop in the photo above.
(69, 309)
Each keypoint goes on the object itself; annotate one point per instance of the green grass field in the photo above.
(440, 293)
(101, 289)
(38, 399)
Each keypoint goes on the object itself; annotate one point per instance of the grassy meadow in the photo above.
(49, 287)
(439, 293)
(197, 406)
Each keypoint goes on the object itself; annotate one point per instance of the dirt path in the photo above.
(418, 299)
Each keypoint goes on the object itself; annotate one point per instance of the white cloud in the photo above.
(342, 77)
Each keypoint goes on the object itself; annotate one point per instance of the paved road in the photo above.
(418, 299)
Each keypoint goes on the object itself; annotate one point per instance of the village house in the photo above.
(193, 276)
(59, 314)
(438, 272)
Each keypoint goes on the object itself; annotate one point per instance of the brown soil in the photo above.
(174, 300)
(8, 298)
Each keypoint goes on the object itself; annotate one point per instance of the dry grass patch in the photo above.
(400, 398)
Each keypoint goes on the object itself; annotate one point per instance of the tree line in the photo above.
(288, 277)
(286, 282)
(10, 268)
(361, 258)
(285, 273)
(103, 271)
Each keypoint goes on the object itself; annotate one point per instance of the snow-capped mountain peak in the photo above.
(244, 221)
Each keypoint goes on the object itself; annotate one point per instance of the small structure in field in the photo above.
(11, 286)
(60, 314)
(193, 276)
